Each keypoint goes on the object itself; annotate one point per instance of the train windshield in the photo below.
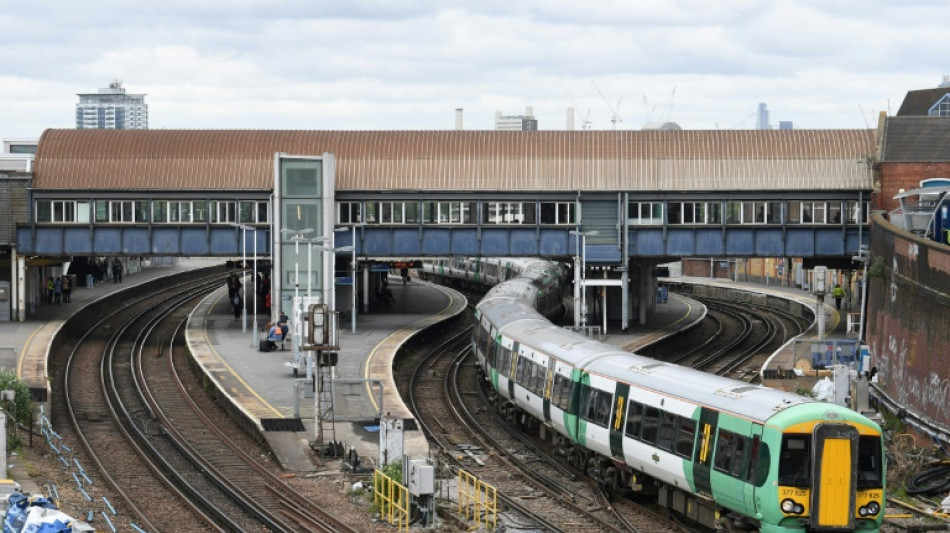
(870, 465)
(794, 466)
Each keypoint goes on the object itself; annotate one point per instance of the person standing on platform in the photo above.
(838, 293)
(57, 290)
(49, 291)
(237, 303)
(116, 271)
(67, 289)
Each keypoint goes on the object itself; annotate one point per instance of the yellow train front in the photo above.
(829, 473)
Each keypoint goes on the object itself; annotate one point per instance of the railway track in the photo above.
(173, 467)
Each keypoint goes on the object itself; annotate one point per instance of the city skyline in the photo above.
(409, 65)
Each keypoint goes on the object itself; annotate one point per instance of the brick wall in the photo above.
(908, 319)
(896, 176)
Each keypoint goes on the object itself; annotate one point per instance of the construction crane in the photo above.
(614, 117)
(585, 120)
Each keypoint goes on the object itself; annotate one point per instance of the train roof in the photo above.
(753, 402)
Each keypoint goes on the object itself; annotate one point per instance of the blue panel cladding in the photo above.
(436, 241)
(135, 241)
(853, 241)
(227, 242)
(464, 242)
(194, 241)
(405, 241)
(108, 241)
(679, 242)
(799, 242)
(523, 241)
(740, 242)
(165, 241)
(710, 241)
(49, 240)
(78, 241)
(495, 242)
(378, 242)
(555, 242)
(602, 253)
(263, 241)
(24, 240)
(344, 238)
(829, 241)
(647, 242)
(768, 242)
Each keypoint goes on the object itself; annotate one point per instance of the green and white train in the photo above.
(719, 451)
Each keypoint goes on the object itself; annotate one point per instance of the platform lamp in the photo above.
(331, 297)
(580, 279)
(311, 242)
(353, 273)
(298, 236)
(244, 228)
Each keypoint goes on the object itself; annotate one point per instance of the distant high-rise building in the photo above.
(762, 118)
(111, 108)
(525, 122)
(785, 125)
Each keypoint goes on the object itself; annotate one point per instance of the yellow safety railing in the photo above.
(392, 500)
(478, 500)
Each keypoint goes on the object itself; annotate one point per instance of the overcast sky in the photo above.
(408, 64)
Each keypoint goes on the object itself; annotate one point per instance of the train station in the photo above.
(348, 222)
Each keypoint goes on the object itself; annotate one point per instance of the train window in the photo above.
(685, 437)
(794, 466)
(725, 451)
(561, 393)
(869, 463)
(634, 420)
(669, 426)
(530, 375)
(597, 406)
(651, 425)
(504, 360)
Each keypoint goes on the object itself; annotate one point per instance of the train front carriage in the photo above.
(827, 474)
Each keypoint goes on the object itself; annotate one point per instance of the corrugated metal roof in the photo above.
(916, 139)
(452, 160)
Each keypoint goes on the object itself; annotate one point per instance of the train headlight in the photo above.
(873, 508)
(788, 505)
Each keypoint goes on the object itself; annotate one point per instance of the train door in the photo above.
(834, 477)
(617, 421)
(752, 471)
(548, 387)
(703, 454)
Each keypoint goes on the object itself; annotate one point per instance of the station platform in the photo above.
(280, 404)
(803, 361)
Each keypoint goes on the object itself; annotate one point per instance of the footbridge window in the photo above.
(509, 213)
(123, 211)
(348, 213)
(62, 211)
(449, 212)
(645, 213)
(694, 213)
(558, 213)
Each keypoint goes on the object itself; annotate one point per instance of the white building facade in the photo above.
(112, 108)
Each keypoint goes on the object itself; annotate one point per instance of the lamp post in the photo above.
(298, 236)
(331, 300)
(582, 277)
(864, 255)
(244, 228)
(353, 273)
(310, 263)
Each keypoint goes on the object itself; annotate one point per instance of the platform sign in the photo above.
(344, 280)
